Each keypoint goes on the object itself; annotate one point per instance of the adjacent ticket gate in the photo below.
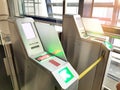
(84, 52)
(40, 65)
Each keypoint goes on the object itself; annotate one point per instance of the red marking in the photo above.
(54, 62)
(43, 57)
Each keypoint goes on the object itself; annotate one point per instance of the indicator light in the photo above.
(56, 52)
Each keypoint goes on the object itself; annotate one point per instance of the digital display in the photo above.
(66, 74)
(28, 30)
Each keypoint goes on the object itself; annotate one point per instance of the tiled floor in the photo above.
(5, 83)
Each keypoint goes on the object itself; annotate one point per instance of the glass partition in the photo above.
(49, 8)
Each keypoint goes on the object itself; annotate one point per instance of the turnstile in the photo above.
(40, 63)
(83, 50)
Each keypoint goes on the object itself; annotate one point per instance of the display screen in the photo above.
(66, 74)
(28, 30)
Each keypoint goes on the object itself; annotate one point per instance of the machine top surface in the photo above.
(88, 29)
(92, 25)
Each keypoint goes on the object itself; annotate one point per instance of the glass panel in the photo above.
(57, 10)
(28, 0)
(102, 12)
(37, 0)
(58, 17)
(52, 8)
(56, 1)
(72, 10)
(60, 1)
(29, 11)
(72, 1)
(30, 4)
(104, 1)
(37, 7)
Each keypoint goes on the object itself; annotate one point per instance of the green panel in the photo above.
(66, 74)
(108, 44)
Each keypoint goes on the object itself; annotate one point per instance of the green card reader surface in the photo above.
(65, 76)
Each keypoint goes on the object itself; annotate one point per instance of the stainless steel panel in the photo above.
(101, 69)
(37, 78)
(88, 53)
(19, 54)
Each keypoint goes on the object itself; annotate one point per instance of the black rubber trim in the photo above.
(45, 19)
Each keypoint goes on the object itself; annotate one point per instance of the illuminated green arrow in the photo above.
(66, 74)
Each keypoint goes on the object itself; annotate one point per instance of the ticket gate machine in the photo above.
(36, 68)
(83, 50)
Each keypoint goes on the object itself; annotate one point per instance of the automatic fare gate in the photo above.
(38, 65)
(87, 54)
